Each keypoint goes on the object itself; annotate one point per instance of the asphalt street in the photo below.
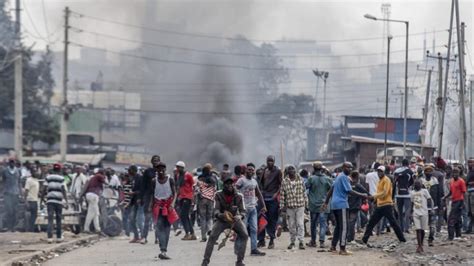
(118, 251)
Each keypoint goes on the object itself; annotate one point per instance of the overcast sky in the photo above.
(260, 19)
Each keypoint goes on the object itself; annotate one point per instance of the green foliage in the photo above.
(294, 108)
(38, 123)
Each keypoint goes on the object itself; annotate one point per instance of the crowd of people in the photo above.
(255, 203)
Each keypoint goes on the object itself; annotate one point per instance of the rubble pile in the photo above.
(39, 259)
(459, 251)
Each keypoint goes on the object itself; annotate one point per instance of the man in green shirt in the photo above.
(318, 186)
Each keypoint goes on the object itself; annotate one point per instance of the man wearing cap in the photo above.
(185, 184)
(207, 184)
(318, 186)
(270, 184)
(55, 192)
(229, 212)
(162, 204)
(436, 190)
(384, 207)
(338, 195)
(11, 193)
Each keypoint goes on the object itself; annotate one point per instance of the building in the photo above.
(374, 127)
(363, 150)
(363, 139)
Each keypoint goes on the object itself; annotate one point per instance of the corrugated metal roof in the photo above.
(361, 139)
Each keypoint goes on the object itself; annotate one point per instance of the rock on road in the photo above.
(119, 252)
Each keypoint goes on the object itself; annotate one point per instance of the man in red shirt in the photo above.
(185, 184)
(457, 189)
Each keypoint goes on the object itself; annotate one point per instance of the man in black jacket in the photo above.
(403, 182)
(431, 183)
(229, 210)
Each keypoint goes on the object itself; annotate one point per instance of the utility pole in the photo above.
(460, 35)
(445, 94)
(405, 117)
(424, 124)
(18, 127)
(64, 107)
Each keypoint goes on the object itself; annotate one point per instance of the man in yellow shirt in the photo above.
(384, 207)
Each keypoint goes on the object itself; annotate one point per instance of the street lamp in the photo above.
(368, 16)
(389, 38)
(323, 75)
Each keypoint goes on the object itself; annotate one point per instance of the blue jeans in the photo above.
(250, 221)
(163, 228)
(54, 209)
(321, 219)
(133, 224)
(272, 218)
(404, 213)
(126, 220)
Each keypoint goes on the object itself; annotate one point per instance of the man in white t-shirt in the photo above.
(31, 197)
(372, 179)
(248, 187)
(79, 180)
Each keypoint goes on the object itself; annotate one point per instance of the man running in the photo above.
(248, 187)
(384, 207)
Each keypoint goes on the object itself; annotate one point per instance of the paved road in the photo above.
(119, 252)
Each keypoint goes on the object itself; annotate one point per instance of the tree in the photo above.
(287, 110)
(38, 123)
(286, 117)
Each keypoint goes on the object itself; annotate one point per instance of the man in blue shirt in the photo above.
(339, 205)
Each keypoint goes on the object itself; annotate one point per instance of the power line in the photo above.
(199, 35)
(214, 52)
(45, 20)
(215, 65)
(32, 23)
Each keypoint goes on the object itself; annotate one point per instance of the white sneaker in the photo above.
(50, 240)
(60, 240)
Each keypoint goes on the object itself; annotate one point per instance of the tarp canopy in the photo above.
(91, 159)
